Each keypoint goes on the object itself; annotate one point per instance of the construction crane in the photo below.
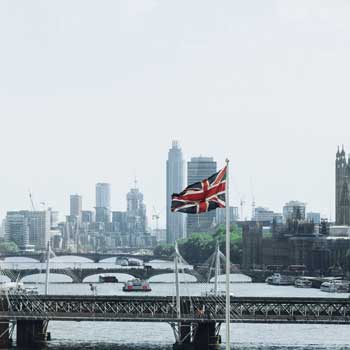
(31, 201)
(242, 202)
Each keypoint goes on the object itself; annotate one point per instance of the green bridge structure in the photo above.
(197, 328)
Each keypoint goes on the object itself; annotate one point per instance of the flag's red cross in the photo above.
(203, 196)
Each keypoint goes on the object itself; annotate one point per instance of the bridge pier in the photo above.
(31, 332)
(198, 336)
(5, 341)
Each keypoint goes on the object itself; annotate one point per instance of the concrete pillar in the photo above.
(205, 337)
(30, 332)
(185, 329)
(4, 335)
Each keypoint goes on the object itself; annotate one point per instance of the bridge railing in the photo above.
(163, 309)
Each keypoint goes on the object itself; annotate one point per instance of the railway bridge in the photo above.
(197, 328)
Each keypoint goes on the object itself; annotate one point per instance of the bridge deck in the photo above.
(162, 309)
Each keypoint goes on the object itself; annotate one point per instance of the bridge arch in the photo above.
(170, 277)
(20, 259)
(40, 277)
(71, 259)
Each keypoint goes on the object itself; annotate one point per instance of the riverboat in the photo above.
(136, 285)
(335, 286)
(107, 279)
(302, 283)
(278, 279)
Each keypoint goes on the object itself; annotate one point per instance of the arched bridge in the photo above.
(94, 257)
(79, 275)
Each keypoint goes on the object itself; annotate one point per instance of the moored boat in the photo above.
(107, 279)
(278, 279)
(335, 286)
(136, 285)
(302, 283)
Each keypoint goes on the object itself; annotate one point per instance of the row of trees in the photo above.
(198, 247)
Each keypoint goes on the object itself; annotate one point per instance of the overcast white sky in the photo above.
(96, 90)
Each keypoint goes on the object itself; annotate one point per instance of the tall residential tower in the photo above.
(175, 183)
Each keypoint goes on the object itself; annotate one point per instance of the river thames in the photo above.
(159, 336)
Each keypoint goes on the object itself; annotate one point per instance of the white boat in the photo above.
(302, 283)
(278, 279)
(335, 286)
(136, 285)
(122, 261)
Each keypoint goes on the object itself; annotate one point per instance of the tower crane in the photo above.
(31, 201)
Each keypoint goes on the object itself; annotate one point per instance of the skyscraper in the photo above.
(342, 188)
(175, 183)
(76, 204)
(17, 229)
(29, 226)
(103, 202)
(198, 169)
(136, 212)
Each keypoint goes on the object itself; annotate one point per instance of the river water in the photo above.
(159, 336)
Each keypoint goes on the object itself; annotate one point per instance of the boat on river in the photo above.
(301, 282)
(136, 285)
(107, 279)
(335, 286)
(278, 279)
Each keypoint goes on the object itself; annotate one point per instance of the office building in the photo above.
(103, 202)
(294, 210)
(314, 217)
(221, 215)
(17, 229)
(87, 216)
(39, 224)
(136, 212)
(175, 183)
(263, 215)
(76, 206)
(198, 169)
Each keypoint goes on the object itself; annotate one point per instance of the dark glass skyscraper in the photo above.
(175, 183)
(198, 169)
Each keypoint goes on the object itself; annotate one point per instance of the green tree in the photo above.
(8, 247)
(164, 250)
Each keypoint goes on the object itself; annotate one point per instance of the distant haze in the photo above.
(95, 91)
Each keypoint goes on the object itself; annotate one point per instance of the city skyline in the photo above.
(247, 208)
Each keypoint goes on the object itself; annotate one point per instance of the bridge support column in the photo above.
(5, 341)
(206, 337)
(30, 332)
(203, 336)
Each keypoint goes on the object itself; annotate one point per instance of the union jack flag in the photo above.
(203, 196)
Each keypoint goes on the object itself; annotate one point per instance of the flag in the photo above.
(203, 196)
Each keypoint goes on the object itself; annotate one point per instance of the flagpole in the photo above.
(228, 261)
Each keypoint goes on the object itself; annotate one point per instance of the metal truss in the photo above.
(163, 309)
